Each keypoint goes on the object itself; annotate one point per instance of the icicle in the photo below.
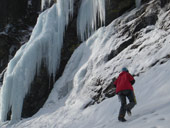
(138, 3)
(90, 13)
(63, 15)
(44, 45)
(45, 4)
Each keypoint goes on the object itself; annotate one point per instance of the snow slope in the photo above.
(149, 61)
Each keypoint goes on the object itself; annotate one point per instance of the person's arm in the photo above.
(115, 83)
(131, 79)
(132, 82)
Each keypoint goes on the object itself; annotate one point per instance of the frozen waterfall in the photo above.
(91, 14)
(138, 3)
(45, 3)
(45, 45)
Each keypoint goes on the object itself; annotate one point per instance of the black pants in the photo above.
(124, 106)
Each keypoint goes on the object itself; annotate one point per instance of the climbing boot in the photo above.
(121, 119)
(129, 112)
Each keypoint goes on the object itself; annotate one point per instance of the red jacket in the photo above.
(124, 82)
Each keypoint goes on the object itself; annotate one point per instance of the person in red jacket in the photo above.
(124, 89)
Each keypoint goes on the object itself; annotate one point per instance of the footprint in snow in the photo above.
(162, 119)
(145, 118)
(154, 127)
(156, 114)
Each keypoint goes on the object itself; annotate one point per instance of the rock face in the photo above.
(145, 17)
(40, 89)
(11, 10)
(16, 19)
(5, 44)
(115, 8)
(164, 2)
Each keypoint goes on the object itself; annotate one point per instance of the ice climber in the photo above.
(124, 89)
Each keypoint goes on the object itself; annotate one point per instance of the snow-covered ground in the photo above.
(152, 111)
(74, 90)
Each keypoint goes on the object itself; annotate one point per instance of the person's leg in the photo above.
(132, 101)
(122, 111)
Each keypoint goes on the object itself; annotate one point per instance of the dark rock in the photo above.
(11, 10)
(124, 45)
(38, 94)
(32, 12)
(164, 2)
(110, 91)
(5, 44)
(115, 8)
(161, 61)
(146, 21)
(88, 104)
(100, 94)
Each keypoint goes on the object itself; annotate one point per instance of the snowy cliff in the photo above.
(139, 40)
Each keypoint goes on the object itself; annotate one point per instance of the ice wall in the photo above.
(44, 45)
(45, 3)
(138, 3)
(91, 14)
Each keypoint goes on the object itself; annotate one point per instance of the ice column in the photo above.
(44, 45)
(91, 14)
(138, 3)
